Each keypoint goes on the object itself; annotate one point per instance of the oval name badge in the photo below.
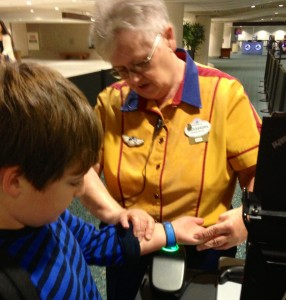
(198, 131)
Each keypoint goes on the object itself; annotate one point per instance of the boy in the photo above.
(50, 139)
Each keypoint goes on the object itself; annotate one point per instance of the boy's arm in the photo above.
(100, 203)
(116, 245)
(183, 232)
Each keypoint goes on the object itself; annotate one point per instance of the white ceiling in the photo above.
(219, 10)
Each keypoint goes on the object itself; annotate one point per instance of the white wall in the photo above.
(262, 33)
(57, 37)
(53, 39)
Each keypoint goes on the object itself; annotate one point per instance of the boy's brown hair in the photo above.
(46, 124)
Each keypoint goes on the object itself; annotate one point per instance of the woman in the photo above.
(6, 44)
(177, 135)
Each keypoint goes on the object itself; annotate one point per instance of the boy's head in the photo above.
(46, 124)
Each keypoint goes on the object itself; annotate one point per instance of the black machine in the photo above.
(265, 217)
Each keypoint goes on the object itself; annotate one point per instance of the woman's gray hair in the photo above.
(110, 16)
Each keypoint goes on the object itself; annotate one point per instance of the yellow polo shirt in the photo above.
(182, 159)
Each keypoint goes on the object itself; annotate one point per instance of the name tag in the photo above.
(198, 131)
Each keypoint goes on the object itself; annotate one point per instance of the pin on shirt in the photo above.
(197, 131)
(132, 141)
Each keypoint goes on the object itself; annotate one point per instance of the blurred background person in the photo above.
(6, 44)
(271, 45)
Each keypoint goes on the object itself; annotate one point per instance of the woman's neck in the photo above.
(179, 72)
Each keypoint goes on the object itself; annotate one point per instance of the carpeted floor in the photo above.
(249, 69)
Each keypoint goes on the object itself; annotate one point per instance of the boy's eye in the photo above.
(77, 183)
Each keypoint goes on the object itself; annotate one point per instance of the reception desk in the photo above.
(252, 48)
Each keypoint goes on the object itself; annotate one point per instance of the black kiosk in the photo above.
(265, 217)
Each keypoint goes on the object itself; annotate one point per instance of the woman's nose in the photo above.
(134, 76)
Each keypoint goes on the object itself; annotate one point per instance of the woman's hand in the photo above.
(229, 231)
(187, 228)
(143, 223)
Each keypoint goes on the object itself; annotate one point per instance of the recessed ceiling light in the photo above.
(29, 2)
(280, 5)
(252, 6)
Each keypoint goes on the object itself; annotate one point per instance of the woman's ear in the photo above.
(169, 35)
(11, 181)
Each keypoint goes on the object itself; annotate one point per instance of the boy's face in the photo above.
(36, 208)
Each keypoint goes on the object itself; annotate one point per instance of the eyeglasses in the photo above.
(123, 72)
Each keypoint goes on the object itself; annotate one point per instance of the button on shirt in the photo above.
(168, 175)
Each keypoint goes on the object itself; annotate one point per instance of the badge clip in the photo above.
(132, 141)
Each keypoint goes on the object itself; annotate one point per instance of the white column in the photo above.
(201, 55)
(19, 34)
(227, 34)
(216, 39)
(176, 14)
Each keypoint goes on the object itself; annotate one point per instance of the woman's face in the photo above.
(131, 49)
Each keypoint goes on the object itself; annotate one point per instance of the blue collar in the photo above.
(190, 93)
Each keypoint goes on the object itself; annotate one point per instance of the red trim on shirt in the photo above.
(209, 72)
(205, 153)
(120, 155)
(178, 97)
(161, 176)
(181, 55)
(245, 151)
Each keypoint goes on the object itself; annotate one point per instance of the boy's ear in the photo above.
(11, 181)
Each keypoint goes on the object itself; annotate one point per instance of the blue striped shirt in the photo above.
(57, 255)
